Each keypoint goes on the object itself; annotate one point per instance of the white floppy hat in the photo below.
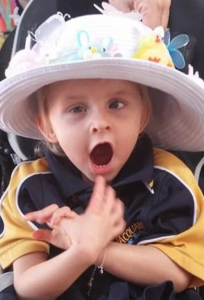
(109, 47)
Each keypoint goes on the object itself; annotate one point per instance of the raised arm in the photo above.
(35, 277)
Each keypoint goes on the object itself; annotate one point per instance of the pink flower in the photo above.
(23, 61)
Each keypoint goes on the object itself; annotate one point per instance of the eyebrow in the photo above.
(75, 97)
(121, 92)
(72, 97)
(111, 93)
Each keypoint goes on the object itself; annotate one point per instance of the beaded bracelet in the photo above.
(101, 267)
(102, 263)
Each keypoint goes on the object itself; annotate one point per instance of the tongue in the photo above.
(101, 154)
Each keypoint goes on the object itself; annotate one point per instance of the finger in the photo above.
(118, 213)
(97, 198)
(150, 21)
(119, 229)
(110, 198)
(120, 207)
(42, 234)
(54, 237)
(155, 13)
(148, 11)
(63, 212)
(151, 17)
(42, 216)
(165, 18)
(124, 6)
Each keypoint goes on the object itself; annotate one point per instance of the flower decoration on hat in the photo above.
(152, 48)
(48, 36)
(111, 35)
(95, 49)
(24, 60)
(45, 48)
(173, 45)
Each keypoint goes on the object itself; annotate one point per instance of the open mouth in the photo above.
(102, 154)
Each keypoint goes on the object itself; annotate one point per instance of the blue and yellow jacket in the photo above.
(164, 208)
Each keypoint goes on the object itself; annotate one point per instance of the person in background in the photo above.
(23, 3)
(155, 12)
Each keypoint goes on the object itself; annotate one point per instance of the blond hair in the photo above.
(41, 109)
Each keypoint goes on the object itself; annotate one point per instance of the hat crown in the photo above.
(89, 36)
(59, 40)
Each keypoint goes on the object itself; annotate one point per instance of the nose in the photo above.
(99, 122)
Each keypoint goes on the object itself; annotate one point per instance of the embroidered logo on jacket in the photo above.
(131, 234)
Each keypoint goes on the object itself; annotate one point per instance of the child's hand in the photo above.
(102, 221)
(52, 215)
(49, 215)
(90, 232)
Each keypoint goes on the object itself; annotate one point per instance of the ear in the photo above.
(46, 129)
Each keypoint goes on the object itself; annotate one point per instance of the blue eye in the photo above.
(116, 104)
(77, 109)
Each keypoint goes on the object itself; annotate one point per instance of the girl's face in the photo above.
(96, 122)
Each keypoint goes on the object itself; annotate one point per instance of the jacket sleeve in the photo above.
(15, 231)
(177, 224)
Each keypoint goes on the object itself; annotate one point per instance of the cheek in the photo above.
(128, 135)
(75, 150)
(130, 139)
(71, 139)
(60, 127)
(66, 137)
(134, 123)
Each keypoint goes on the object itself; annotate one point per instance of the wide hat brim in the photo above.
(177, 100)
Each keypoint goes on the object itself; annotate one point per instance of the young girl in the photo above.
(102, 92)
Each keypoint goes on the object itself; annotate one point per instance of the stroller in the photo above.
(14, 149)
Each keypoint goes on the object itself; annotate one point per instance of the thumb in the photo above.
(165, 18)
(97, 198)
(55, 237)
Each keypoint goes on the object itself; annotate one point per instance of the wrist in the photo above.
(100, 267)
(101, 260)
(83, 254)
